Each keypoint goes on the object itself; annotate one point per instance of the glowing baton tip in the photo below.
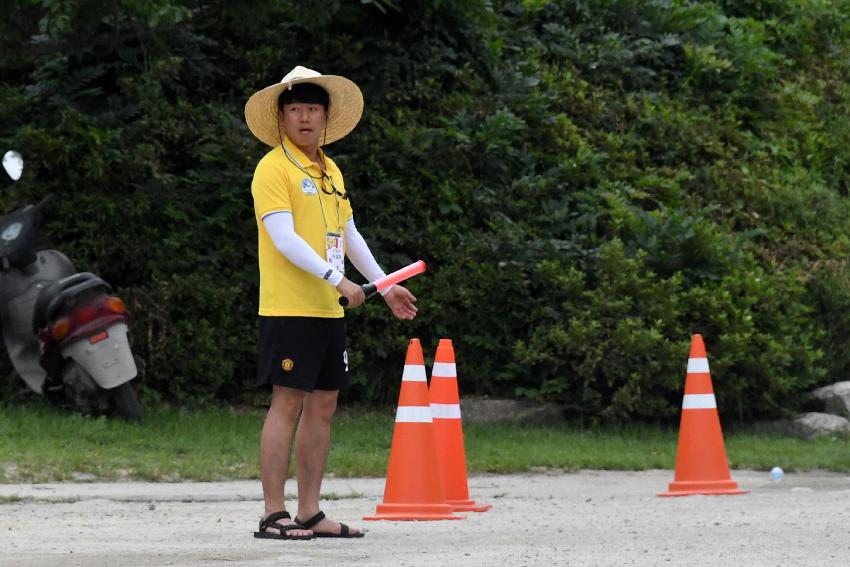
(390, 279)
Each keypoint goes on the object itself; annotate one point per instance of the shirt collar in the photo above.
(298, 155)
(306, 162)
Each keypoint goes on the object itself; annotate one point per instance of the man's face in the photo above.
(304, 123)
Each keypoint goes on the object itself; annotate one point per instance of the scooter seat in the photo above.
(52, 297)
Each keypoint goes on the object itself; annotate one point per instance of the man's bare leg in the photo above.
(311, 454)
(275, 449)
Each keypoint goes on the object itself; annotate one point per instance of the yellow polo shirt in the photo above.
(289, 181)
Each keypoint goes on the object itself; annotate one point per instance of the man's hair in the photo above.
(304, 93)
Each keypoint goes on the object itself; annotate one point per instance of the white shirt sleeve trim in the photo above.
(274, 212)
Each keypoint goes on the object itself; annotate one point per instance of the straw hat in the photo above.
(344, 112)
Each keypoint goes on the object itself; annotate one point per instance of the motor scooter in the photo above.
(65, 332)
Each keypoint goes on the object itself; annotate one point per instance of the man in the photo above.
(306, 227)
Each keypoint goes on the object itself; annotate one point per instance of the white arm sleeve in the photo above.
(281, 229)
(358, 252)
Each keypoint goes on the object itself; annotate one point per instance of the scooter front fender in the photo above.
(19, 289)
(109, 361)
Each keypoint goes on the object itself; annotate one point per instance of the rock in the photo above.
(83, 477)
(486, 410)
(814, 424)
(835, 397)
(9, 471)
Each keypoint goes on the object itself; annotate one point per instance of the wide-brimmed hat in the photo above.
(344, 111)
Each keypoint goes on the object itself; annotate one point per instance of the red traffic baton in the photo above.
(383, 283)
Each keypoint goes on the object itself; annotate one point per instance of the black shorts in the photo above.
(305, 353)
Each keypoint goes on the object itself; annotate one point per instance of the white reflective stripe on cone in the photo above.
(699, 401)
(413, 373)
(445, 411)
(413, 414)
(697, 365)
(444, 370)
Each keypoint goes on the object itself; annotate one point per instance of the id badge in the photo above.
(336, 255)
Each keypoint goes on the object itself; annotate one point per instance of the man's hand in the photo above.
(352, 291)
(401, 302)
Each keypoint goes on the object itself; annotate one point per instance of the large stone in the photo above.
(486, 410)
(835, 397)
(814, 424)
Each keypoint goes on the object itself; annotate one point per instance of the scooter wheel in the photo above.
(125, 404)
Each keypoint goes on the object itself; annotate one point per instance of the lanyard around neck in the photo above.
(297, 164)
(319, 190)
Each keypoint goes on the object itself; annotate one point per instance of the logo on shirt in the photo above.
(308, 187)
(287, 364)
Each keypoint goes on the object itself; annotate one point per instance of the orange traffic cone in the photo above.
(701, 466)
(413, 490)
(448, 430)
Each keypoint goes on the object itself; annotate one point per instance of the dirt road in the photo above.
(585, 518)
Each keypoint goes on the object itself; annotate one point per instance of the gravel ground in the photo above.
(584, 518)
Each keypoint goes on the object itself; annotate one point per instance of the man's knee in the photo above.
(287, 401)
(320, 405)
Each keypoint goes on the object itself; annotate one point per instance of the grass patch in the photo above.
(40, 443)
(47, 444)
(761, 452)
(13, 499)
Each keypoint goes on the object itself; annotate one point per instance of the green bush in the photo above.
(590, 183)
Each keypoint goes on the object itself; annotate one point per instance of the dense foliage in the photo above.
(590, 182)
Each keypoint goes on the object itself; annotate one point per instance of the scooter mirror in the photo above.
(13, 163)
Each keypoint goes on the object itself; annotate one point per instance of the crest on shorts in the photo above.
(287, 364)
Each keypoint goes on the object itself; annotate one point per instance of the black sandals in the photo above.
(344, 530)
(271, 522)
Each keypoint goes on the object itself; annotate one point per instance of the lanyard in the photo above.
(321, 179)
